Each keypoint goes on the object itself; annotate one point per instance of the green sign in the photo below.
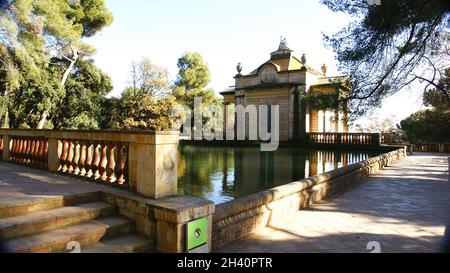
(197, 233)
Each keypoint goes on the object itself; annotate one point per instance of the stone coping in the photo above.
(174, 209)
(249, 202)
(142, 137)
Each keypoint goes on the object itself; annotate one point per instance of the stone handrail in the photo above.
(431, 147)
(144, 161)
(343, 138)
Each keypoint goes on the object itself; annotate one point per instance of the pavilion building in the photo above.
(281, 81)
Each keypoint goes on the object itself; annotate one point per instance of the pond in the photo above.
(221, 174)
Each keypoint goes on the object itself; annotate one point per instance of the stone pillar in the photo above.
(303, 111)
(171, 222)
(336, 121)
(225, 119)
(345, 119)
(153, 166)
(313, 120)
(296, 119)
(6, 155)
(53, 154)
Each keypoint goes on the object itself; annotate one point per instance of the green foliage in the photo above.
(439, 98)
(86, 89)
(387, 47)
(137, 110)
(431, 125)
(36, 36)
(193, 77)
(193, 72)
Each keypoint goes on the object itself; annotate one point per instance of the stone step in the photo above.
(129, 243)
(15, 206)
(83, 233)
(40, 221)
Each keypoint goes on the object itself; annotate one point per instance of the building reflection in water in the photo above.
(222, 174)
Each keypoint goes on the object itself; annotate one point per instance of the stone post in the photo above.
(153, 165)
(171, 222)
(6, 148)
(53, 155)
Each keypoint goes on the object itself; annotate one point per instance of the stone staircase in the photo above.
(54, 224)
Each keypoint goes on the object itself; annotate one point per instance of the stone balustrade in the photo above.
(143, 161)
(431, 147)
(343, 138)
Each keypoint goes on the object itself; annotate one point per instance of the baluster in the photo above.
(23, 159)
(41, 154)
(111, 163)
(13, 149)
(120, 166)
(19, 149)
(62, 159)
(45, 155)
(33, 151)
(29, 151)
(16, 153)
(95, 165)
(76, 157)
(24, 151)
(36, 151)
(18, 145)
(39, 151)
(88, 164)
(82, 161)
(104, 162)
(70, 157)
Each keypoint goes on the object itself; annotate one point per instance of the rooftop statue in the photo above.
(283, 44)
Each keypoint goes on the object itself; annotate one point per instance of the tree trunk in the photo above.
(42, 120)
(70, 67)
(6, 116)
(6, 119)
(74, 59)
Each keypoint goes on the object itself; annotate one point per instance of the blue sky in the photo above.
(225, 33)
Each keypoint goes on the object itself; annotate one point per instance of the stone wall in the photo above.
(163, 220)
(237, 218)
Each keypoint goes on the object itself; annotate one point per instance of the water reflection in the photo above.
(221, 174)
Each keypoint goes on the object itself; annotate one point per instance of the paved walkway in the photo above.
(404, 208)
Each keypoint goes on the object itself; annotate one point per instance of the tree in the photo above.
(431, 125)
(149, 78)
(193, 72)
(32, 32)
(193, 76)
(138, 110)
(435, 97)
(390, 46)
(86, 89)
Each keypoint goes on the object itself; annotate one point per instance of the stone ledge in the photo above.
(239, 217)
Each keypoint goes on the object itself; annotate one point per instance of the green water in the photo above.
(223, 174)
